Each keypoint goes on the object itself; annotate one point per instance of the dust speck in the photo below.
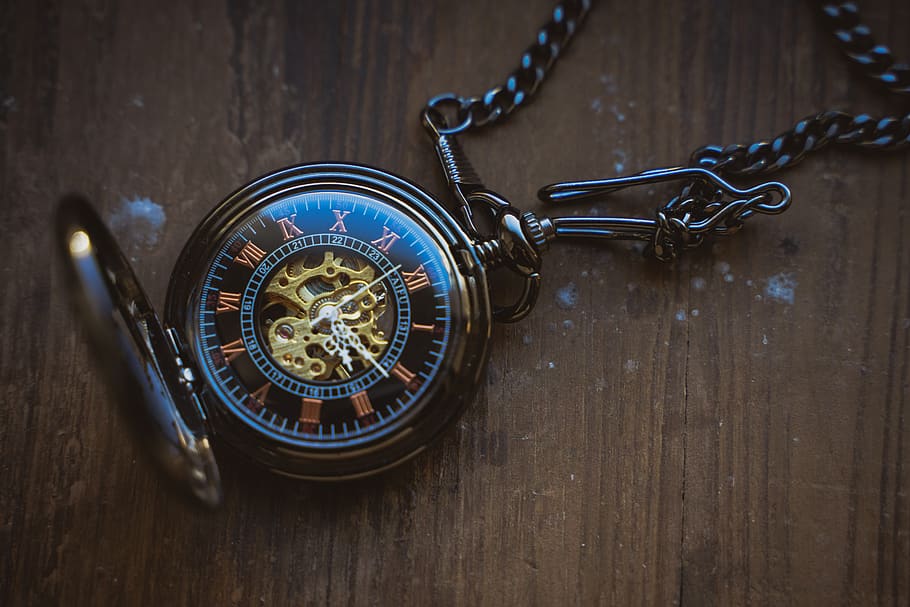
(608, 82)
(620, 117)
(596, 105)
(695, 312)
(620, 160)
(568, 324)
(140, 219)
(781, 287)
(680, 315)
(764, 340)
(728, 277)
(138, 101)
(699, 283)
(632, 365)
(723, 267)
(526, 339)
(551, 365)
(567, 296)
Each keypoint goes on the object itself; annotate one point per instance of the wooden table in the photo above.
(730, 429)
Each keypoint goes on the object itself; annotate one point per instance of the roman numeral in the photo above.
(288, 229)
(250, 255)
(339, 221)
(232, 350)
(227, 302)
(427, 328)
(402, 373)
(362, 404)
(385, 242)
(310, 413)
(416, 280)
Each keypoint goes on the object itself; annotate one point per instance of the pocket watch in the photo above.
(329, 321)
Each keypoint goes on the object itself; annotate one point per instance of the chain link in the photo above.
(521, 84)
(855, 39)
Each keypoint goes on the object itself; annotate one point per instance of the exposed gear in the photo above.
(300, 338)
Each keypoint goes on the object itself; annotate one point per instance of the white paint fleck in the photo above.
(620, 117)
(781, 287)
(571, 477)
(681, 315)
(728, 277)
(608, 82)
(749, 283)
(699, 283)
(620, 160)
(596, 105)
(632, 365)
(551, 365)
(764, 339)
(138, 101)
(141, 219)
(695, 312)
(567, 296)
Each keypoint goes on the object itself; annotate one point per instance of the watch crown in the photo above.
(539, 230)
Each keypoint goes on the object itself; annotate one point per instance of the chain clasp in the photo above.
(706, 206)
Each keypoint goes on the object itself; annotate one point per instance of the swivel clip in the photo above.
(513, 239)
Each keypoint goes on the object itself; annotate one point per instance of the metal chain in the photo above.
(536, 62)
(706, 206)
(815, 132)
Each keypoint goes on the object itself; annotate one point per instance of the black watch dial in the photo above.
(324, 317)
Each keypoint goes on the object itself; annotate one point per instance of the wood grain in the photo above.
(690, 434)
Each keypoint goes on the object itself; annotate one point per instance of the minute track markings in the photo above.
(261, 357)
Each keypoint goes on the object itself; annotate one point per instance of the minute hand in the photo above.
(366, 288)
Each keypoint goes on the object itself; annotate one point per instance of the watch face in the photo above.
(325, 317)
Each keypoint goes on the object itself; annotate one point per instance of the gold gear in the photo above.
(297, 342)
